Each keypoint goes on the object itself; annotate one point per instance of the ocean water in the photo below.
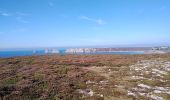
(14, 53)
(6, 54)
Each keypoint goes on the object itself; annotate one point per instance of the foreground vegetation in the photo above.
(90, 77)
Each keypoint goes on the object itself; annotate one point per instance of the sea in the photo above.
(15, 53)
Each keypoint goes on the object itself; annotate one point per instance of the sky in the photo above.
(71, 23)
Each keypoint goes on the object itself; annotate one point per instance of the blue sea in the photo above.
(15, 53)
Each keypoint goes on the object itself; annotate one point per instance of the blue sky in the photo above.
(61, 23)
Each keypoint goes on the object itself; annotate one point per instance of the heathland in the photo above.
(86, 77)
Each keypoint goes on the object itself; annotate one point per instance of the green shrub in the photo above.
(81, 85)
(10, 81)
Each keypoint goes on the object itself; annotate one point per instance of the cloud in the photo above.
(163, 8)
(19, 16)
(13, 31)
(20, 19)
(141, 11)
(51, 4)
(22, 14)
(1, 32)
(5, 14)
(98, 21)
(20, 30)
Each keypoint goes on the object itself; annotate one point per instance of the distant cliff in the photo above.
(81, 50)
(93, 50)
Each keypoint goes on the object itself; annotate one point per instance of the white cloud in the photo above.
(141, 11)
(163, 8)
(51, 4)
(85, 17)
(19, 30)
(1, 32)
(20, 19)
(19, 16)
(22, 14)
(5, 14)
(98, 21)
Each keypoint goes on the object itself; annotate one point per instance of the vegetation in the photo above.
(73, 77)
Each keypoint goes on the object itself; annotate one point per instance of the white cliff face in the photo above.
(52, 51)
(81, 50)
